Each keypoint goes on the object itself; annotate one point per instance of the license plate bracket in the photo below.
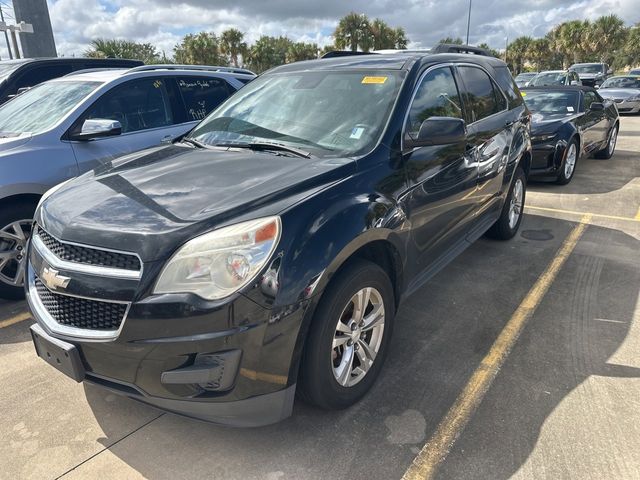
(61, 355)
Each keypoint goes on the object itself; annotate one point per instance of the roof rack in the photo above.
(206, 68)
(344, 53)
(454, 48)
(90, 70)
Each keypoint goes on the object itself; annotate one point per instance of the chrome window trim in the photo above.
(57, 262)
(460, 92)
(52, 325)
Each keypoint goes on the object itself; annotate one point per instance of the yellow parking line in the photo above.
(21, 317)
(425, 465)
(573, 212)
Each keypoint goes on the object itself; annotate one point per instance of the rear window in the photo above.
(201, 95)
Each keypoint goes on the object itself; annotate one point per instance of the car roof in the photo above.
(552, 71)
(587, 63)
(391, 61)
(109, 74)
(17, 61)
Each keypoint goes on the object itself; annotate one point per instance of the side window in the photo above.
(138, 105)
(589, 98)
(508, 86)
(483, 98)
(437, 96)
(201, 95)
(39, 74)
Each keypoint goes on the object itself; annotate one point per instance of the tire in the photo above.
(12, 242)
(507, 225)
(607, 152)
(320, 382)
(568, 166)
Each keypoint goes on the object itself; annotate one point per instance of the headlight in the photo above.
(543, 138)
(219, 263)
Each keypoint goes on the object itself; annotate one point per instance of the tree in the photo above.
(606, 35)
(353, 32)
(629, 54)
(299, 51)
(232, 45)
(401, 38)
(539, 52)
(383, 35)
(517, 53)
(113, 48)
(268, 52)
(455, 41)
(199, 49)
(491, 51)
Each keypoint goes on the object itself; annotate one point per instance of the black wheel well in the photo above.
(525, 162)
(384, 254)
(20, 198)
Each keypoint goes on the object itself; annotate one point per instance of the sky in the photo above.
(164, 22)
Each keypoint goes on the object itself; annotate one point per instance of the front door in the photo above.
(442, 179)
(143, 108)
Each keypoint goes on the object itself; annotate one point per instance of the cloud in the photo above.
(164, 22)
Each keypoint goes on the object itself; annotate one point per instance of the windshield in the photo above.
(551, 78)
(622, 82)
(525, 76)
(41, 107)
(545, 101)
(593, 68)
(327, 113)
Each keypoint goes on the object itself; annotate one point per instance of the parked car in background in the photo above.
(634, 71)
(64, 127)
(567, 124)
(270, 249)
(18, 75)
(555, 78)
(624, 90)
(524, 78)
(592, 74)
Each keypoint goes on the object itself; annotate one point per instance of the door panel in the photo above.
(593, 122)
(143, 109)
(442, 178)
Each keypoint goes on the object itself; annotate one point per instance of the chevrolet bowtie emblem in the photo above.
(53, 280)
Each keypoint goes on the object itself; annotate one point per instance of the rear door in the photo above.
(490, 130)
(442, 179)
(143, 108)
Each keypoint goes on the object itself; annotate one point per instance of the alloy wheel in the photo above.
(613, 138)
(358, 337)
(570, 161)
(13, 260)
(515, 206)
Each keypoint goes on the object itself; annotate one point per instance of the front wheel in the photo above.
(348, 338)
(612, 139)
(15, 229)
(568, 167)
(510, 218)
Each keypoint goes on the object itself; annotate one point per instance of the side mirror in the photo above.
(97, 128)
(596, 87)
(596, 106)
(438, 131)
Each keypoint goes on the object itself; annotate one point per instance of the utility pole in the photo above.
(6, 36)
(468, 22)
(14, 40)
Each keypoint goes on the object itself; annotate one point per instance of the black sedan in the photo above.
(567, 124)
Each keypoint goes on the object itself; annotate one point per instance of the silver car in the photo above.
(624, 90)
(64, 127)
(553, 78)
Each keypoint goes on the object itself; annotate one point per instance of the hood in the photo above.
(151, 202)
(619, 92)
(11, 142)
(548, 122)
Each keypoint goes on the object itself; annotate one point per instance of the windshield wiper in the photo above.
(266, 146)
(194, 142)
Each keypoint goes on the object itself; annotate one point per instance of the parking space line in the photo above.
(21, 317)
(573, 212)
(425, 465)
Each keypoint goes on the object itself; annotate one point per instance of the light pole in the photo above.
(468, 22)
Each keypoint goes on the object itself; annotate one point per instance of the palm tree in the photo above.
(455, 41)
(573, 39)
(199, 49)
(606, 35)
(114, 48)
(401, 39)
(539, 52)
(353, 31)
(383, 35)
(299, 51)
(517, 51)
(232, 45)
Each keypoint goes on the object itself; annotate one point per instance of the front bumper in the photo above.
(169, 349)
(627, 106)
(546, 159)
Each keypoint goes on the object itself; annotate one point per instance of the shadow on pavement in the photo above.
(441, 335)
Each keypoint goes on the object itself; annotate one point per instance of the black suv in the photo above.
(268, 250)
(16, 75)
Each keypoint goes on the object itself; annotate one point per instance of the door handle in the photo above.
(166, 139)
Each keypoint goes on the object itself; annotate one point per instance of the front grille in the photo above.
(80, 312)
(87, 255)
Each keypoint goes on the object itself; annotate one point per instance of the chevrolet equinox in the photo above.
(268, 250)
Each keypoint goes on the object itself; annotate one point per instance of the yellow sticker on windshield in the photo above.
(378, 80)
(524, 94)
